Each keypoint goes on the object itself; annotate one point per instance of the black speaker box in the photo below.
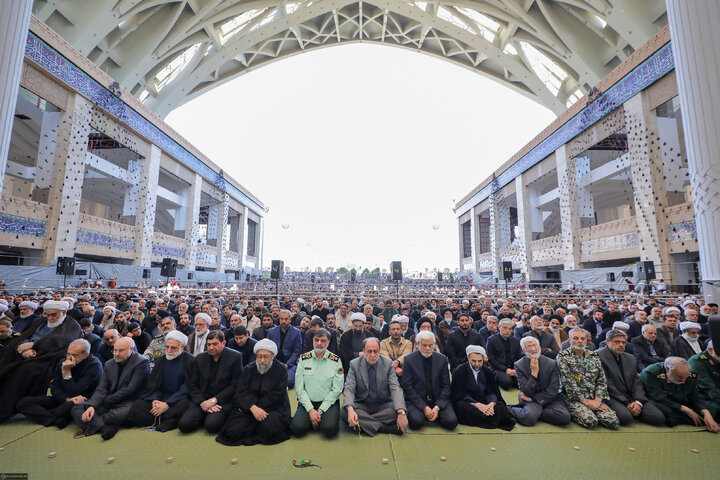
(396, 268)
(277, 269)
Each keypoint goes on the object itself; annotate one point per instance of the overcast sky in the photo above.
(359, 150)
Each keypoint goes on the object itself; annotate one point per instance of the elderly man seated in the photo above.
(165, 396)
(27, 316)
(262, 409)
(74, 381)
(706, 365)
(426, 385)
(475, 395)
(109, 406)
(584, 385)
(26, 364)
(372, 398)
(539, 383)
(673, 388)
(689, 343)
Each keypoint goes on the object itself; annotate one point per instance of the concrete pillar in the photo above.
(146, 206)
(192, 221)
(223, 240)
(14, 23)
(473, 238)
(695, 37)
(586, 205)
(234, 232)
(132, 192)
(524, 227)
(495, 235)
(569, 211)
(648, 182)
(46, 149)
(242, 237)
(212, 222)
(65, 190)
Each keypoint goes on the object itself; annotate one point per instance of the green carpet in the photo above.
(542, 451)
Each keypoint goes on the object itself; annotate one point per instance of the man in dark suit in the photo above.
(373, 398)
(595, 325)
(503, 350)
(122, 379)
(213, 379)
(74, 381)
(487, 331)
(458, 340)
(426, 384)
(315, 324)
(351, 341)
(243, 343)
(289, 342)
(627, 395)
(548, 345)
(648, 349)
(668, 332)
(165, 396)
(539, 383)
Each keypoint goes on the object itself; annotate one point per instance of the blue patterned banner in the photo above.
(22, 226)
(98, 239)
(166, 251)
(42, 54)
(634, 82)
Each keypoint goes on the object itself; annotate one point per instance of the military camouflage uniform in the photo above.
(584, 378)
(156, 349)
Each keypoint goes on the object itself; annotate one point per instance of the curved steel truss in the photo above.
(168, 52)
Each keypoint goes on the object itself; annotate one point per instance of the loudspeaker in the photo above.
(237, 276)
(610, 277)
(396, 268)
(189, 277)
(146, 273)
(646, 270)
(168, 268)
(507, 270)
(440, 279)
(353, 276)
(277, 269)
(65, 266)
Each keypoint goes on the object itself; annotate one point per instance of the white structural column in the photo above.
(474, 232)
(495, 236)
(68, 175)
(242, 237)
(649, 191)
(222, 238)
(146, 207)
(524, 214)
(569, 211)
(212, 220)
(14, 22)
(192, 222)
(695, 37)
(586, 206)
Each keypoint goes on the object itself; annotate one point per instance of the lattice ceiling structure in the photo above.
(168, 52)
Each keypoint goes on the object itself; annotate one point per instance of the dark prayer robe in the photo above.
(269, 392)
(462, 386)
(20, 377)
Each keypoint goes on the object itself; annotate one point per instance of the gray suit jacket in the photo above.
(113, 389)
(388, 388)
(544, 389)
(626, 386)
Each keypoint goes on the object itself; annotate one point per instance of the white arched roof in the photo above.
(168, 52)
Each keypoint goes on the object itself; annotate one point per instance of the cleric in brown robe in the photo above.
(261, 414)
(26, 364)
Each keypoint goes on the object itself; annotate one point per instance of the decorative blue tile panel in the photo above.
(608, 244)
(98, 239)
(42, 54)
(22, 226)
(643, 76)
(206, 257)
(680, 232)
(166, 251)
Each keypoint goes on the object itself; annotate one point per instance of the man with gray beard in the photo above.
(262, 409)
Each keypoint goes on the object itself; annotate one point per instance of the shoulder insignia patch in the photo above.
(591, 352)
(693, 375)
(340, 371)
(306, 356)
(661, 376)
(158, 337)
(159, 353)
(565, 352)
(333, 357)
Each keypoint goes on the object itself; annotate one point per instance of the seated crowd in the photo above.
(225, 363)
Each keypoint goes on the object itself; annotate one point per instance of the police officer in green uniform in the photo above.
(156, 349)
(584, 385)
(706, 365)
(673, 388)
(318, 385)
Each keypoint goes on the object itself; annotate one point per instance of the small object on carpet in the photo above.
(443, 458)
(169, 460)
(111, 460)
(385, 461)
(695, 450)
(492, 449)
(576, 447)
(304, 463)
(631, 449)
(52, 454)
(234, 461)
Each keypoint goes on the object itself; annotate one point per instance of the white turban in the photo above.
(687, 302)
(265, 344)
(401, 319)
(4, 302)
(55, 305)
(70, 300)
(572, 306)
(109, 307)
(27, 303)
(474, 349)
(3, 308)
(672, 309)
(621, 326)
(686, 325)
(175, 335)
(300, 300)
(358, 316)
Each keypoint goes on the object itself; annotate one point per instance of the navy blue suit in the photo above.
(499, 363)
(291, 349)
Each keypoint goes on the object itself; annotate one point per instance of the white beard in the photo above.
(428, 355)
(320, 351)
(689, 338)
(55, 324)
(172, 356)
(535, 355)
(26, 316)
(262, 369)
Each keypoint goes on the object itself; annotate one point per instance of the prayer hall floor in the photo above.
(542, 452)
